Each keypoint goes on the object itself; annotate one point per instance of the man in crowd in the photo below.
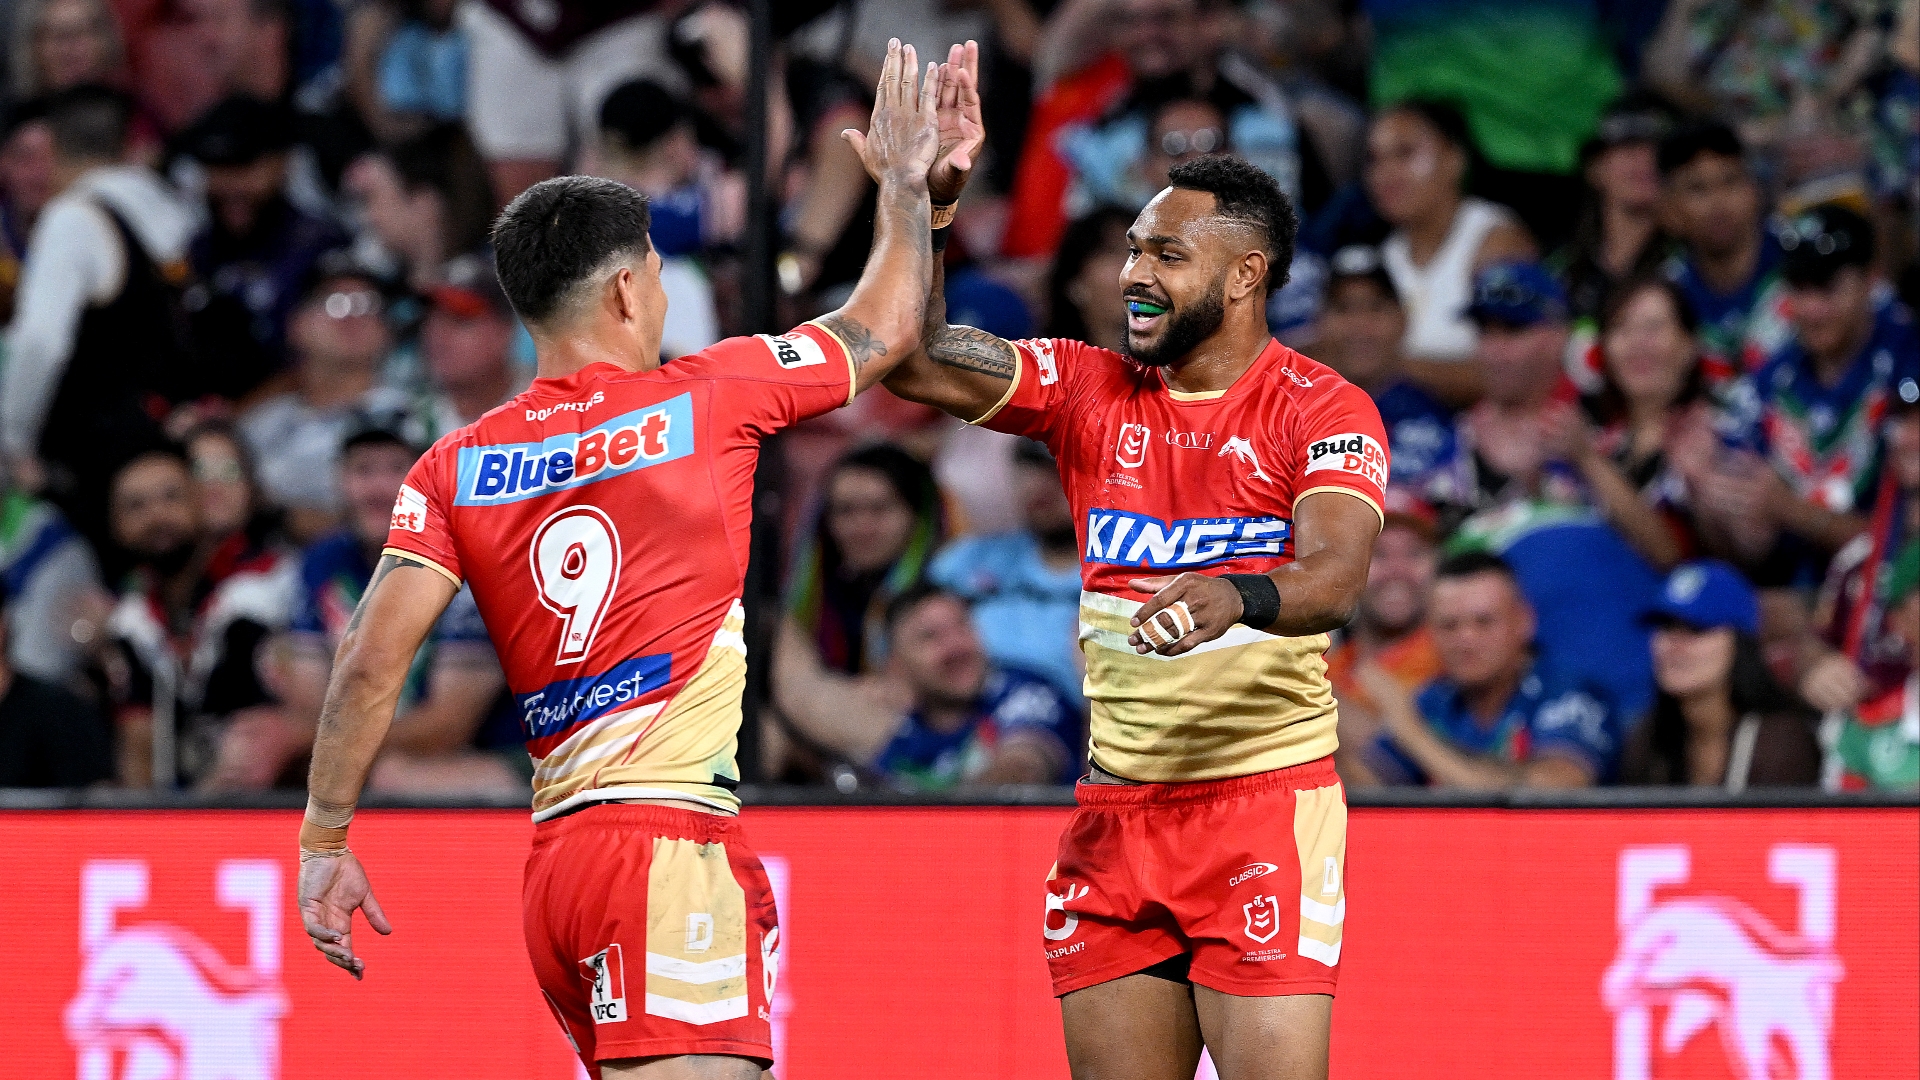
(48, 737)
(1492, 720)
(56, 606)
(257, 249)
(191, 630)
(1727, 265)
(1390, 631)
(467, 343)
(1522, 317)
(26, 183)
(1878, 744)
(1024, 585)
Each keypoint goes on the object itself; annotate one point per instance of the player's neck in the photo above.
(564, 352)
(1219, 361)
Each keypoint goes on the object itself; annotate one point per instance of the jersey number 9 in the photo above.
(576, 563)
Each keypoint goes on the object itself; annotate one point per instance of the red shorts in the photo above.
(1247, 876)
(652, 933)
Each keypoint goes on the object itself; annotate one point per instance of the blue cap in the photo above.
(1516, 294)
(1707, 595)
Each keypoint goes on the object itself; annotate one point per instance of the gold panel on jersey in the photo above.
(1243, 703)
(696, 933)
(1320, 836)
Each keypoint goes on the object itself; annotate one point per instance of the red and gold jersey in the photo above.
(602, 521)
(1164, 482)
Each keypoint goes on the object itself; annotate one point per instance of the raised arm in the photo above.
(395, 615)
(880, 323)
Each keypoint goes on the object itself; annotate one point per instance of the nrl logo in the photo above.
(1263, 918)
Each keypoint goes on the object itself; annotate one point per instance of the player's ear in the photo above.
(625, 294)
(1249, 274)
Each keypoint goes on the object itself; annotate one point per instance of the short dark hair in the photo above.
(444, 160)
(1706, 137)
(1468, 564)
(639, 112)
(1443, 117)
(557, 232)
(89, 122)
(1244, 192)
(912, 597)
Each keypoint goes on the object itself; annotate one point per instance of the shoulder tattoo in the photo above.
(861, 344)
(969, 349)
(388, 562)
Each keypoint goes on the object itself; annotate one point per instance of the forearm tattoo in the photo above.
(969, 349)
(861, 344)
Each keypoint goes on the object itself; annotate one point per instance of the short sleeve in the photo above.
(1046, 372)
(1576, 724)
(1342, 445)
(421, 528)
(768, 383)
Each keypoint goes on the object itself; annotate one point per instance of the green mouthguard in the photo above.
(1143, 307)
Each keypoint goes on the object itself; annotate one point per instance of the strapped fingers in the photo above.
(1166, 627)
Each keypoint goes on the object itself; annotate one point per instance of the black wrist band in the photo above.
(940, 239)
(1259, 599)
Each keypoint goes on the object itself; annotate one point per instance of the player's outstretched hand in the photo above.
(1188, 610)
(963, 129)
(904, 134)
(330, 890)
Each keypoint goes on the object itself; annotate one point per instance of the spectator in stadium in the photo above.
(223, 474)
(1877, 745)
(1083, 290)
(256, 248)
(61, 44)
(453, 730)
(338, 339)
(26, 183)
(1652, 409)
(880, 522)
(957, 717)
(1418, 158)
(1491, 720)
(425, 200)
(1727, 264)
(1618, 235)
(191, 629)
(49, 737)
(1359, 332)
(1814, 409)
(95, 335)
(1024, 585)
(1390, 629)
(1522, 331)
(1853, 653)
(405, 66)
(467, 343)
(56, 608)
(1720, 719)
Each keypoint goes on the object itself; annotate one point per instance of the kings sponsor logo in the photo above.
(1121, 538)
(1356, 453)
(655, 435)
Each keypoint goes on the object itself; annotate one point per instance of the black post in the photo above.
(758, 288)
(760, 591)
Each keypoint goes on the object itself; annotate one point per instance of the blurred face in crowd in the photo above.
(1522, 362)
(1902, 620)
(1712, 204)
(868, 519)
(26, 170)
(1182, 131)
(1481, 628)
(1412, 170)
(220, 473)
(237, 193)
(1627, 176)
(1043, 503)
(341, 324)
(1180, 255)
(73, 44)
(1398, 580)
(1903, 447)
(1833, 320)
(409, 223)
(1159, 37)
(1360, 330)
(370, 479)
(1689, 662)
(1648, 350)
(1096, 290)
(156, 511)
(939, 653)
(466, 346)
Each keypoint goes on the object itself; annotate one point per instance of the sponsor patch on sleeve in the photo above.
(793, 350)
(1356, 454)
(410, 510)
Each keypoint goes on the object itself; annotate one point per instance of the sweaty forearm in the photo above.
(359, 707)
(881, 322)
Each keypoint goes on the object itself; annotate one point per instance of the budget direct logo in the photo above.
(655, 435)
(155, 1000)
(1710, 962)
(1357, 453)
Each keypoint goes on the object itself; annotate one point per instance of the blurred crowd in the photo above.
(1631, 284)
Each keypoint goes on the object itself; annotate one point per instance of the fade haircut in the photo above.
(561, 235)
(1244, 193)
(1678, 150)
(1468, 564)
(89, 123)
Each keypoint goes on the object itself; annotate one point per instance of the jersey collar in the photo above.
(1260, 363)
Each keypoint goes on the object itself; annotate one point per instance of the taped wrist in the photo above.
(323, 833)
(940, 240)
(1259, 599)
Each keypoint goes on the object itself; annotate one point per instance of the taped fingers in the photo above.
(1168, 625)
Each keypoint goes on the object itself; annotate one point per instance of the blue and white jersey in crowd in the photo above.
(1026, 612)
(1421, 440)
(1010, 702)
(1545, 717)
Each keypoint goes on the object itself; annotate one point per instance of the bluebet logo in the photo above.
(655, 435)
(558, 706)
(1119, 538)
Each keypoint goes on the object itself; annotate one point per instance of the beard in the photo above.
(1186, 328)
(169, 561)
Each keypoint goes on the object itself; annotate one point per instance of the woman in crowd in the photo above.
(1652, 400)
(1418, 158)
(1083, 290)
(1719, 718)
(1619, 231)
(59, 44)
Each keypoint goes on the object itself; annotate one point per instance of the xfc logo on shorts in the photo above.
(607, 973)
